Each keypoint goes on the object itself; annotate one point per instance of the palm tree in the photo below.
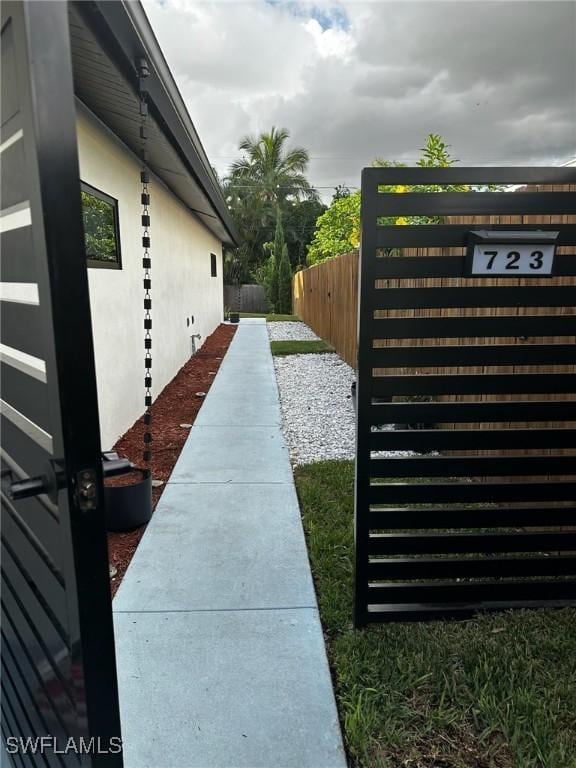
(270, 171)
(266, 182)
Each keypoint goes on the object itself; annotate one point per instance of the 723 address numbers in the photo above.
(512, 260)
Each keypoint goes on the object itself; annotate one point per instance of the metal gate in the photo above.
(467, 333)
(58, 668)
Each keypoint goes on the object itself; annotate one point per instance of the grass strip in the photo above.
(272, 318)
(498, 691)
(300, 347)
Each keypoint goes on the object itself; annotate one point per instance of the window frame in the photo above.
(112, 201)
(213, 265)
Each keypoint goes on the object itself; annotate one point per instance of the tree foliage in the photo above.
(299, 218)
(271, 171)
(275, 274)
(284, 305)
(276, 255)
(269, 176)
(341, 190)
(338, 229)
(99, 228)
(266, 275)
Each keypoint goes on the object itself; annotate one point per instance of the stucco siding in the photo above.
(182, 286)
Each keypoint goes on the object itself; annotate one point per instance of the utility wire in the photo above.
(256, 187)
(471, 159)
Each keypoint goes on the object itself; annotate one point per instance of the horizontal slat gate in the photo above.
(469, 503)
(33, 603)
(58, 668)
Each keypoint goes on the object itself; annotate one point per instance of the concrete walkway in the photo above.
(220, 652)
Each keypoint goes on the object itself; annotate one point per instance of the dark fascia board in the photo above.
(129, 37)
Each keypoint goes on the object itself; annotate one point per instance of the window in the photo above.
(213, 270)
(101, 230)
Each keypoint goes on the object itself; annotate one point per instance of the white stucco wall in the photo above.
(182, 285)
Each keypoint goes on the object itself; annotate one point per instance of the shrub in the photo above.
(284, 284)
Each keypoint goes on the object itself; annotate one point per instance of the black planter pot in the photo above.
(234, 317)
(128, 506)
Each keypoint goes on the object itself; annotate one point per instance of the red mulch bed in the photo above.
(177, 404)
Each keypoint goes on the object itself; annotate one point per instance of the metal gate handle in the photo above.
(54, 479)
(33, 486)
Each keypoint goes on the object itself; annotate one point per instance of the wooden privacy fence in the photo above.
(326, 298)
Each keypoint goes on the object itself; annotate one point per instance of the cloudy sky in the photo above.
(353, 80)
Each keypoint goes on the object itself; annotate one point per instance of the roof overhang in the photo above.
(107, 40)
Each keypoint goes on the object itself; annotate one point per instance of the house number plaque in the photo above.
(512, 254)
(513, 260)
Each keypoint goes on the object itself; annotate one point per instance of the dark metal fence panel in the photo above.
(58, 665)
(466, 399)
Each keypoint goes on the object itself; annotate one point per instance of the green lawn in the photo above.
(498, 691)
(299, 347)
(271, 318)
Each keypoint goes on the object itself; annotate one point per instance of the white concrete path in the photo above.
(220, 652)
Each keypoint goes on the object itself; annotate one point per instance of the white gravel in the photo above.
(317, 414)
(290, 331)
(318, 417)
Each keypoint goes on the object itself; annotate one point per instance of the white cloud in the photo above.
(354, 80)
(330, 42)
(244, 49)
